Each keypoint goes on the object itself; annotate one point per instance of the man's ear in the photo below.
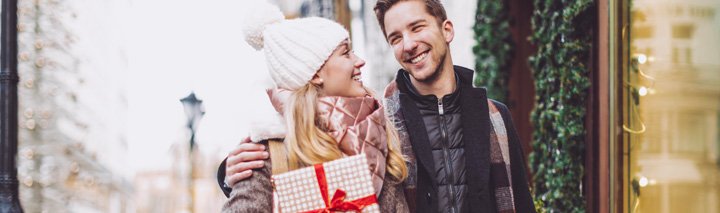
(448, 30)
(316, 80)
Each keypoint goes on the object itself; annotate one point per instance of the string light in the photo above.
(642, 129)
(643, 182)
(641, 58)
(640, 91)
(643, 91)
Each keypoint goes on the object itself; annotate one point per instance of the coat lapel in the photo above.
(418, 134)
(476, 136)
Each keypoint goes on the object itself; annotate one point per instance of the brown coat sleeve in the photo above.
(253, 194)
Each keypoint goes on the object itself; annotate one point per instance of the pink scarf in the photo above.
(357, 125)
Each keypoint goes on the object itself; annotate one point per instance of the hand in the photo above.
(241, 160)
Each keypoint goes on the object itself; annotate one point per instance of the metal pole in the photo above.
(9, 201)
(192, 171)
(194, 111)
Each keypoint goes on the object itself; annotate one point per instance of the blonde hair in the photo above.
(309, 144)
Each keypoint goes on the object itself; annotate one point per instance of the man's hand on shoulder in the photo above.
(245, 157)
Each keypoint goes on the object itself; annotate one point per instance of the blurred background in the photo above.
(130, 105)
(102, 127)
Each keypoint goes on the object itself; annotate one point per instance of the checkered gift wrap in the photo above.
(301, 191)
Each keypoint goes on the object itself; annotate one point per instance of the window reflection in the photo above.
(673, 90)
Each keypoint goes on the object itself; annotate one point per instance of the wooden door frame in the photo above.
(606, 172)
(601, 179)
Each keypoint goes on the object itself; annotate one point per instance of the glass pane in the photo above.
(672, 106)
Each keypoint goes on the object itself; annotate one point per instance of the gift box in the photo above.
(341, 185)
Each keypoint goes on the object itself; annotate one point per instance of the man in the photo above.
(460, 159)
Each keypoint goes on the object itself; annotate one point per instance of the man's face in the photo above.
(419, 43)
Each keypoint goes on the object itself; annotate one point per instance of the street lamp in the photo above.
(194, 111)
(9, 201)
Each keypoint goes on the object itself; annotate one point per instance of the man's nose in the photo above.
(409, 44)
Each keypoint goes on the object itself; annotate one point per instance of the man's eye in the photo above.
(394, 40)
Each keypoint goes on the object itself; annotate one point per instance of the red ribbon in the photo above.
(338, 203)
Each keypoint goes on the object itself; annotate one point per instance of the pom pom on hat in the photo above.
(257, 19)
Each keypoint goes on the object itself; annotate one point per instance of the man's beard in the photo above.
(435, 74)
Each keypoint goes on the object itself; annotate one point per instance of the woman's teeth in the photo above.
(418, 58)
(357, 77)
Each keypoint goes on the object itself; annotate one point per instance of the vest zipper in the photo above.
(446, 153)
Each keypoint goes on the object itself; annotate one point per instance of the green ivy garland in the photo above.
(562, 31)
(493, 50)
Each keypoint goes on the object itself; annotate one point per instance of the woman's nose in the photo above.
(359, 63)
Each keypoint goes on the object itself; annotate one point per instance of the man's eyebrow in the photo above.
(416, 22)
(392, 34)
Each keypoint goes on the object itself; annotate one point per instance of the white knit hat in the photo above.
(294, 49)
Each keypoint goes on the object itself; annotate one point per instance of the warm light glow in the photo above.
(643, 91)
(643, 181)
(642, 58)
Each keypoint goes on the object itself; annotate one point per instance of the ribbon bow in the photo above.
(338, 203)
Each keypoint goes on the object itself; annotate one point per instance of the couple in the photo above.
(436, 145)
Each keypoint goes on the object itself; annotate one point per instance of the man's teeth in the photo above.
(357, 77)
(418, 58)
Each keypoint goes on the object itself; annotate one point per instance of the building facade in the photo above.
(72, 107)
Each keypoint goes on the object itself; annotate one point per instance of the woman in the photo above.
(328, 112)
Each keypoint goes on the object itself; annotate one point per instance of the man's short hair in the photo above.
(434, 7)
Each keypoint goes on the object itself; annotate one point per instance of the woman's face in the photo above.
(340, 75)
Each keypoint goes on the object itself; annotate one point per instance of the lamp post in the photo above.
(9, 201)
(194, 111)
